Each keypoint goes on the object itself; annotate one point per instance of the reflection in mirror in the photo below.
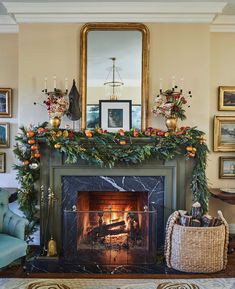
(114, 66)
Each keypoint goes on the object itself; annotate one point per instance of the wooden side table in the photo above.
(226, 197)
(230, 199)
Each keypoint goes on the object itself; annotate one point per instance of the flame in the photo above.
(117, 214)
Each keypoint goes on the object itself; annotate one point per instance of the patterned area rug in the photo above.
(215, 283)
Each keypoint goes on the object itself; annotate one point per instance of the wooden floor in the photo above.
(18, 272)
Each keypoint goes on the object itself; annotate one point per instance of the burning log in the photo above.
(105, 227)
(112, 232)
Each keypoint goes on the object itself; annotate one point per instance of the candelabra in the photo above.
(55, 90)
(57, 103)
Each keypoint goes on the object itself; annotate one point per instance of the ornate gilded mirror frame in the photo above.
(145, 63)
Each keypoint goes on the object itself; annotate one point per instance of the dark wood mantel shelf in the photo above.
(226, 197)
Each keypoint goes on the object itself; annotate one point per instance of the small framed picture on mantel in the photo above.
(115, 114)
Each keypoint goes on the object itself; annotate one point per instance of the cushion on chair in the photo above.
(4, 195)
(11, 248)
(14, 225)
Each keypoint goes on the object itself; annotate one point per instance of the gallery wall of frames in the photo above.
(5, 112)
(224, 132)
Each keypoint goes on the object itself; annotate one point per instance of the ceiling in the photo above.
(219, 14)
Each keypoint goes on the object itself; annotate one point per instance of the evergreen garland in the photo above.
(107, 150)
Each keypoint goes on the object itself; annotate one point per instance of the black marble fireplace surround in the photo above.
(166, 184)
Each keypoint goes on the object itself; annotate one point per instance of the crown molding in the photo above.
(77, 12)
(223, 23)
(222, 28)
(8, 24)
(83, 18)
(9, 28)
(224, 19)
(6, 20)
(115, 7)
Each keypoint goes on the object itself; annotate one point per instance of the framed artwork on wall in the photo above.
(115, 114)
(227, 168)
(4, 135)
(226, 98)
(5, 102)
(2, 162)
(224, 133)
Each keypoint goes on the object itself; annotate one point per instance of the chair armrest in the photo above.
(14, 225)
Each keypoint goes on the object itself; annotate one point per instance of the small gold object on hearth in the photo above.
(171, 123)
(51, 248)
(55, 122)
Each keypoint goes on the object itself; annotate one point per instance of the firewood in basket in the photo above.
(217, 222)
(196, 211)
(196, 223)
(182, 212)
(185, 220)
(207, 221)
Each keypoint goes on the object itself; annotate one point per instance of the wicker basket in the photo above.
(196, 249)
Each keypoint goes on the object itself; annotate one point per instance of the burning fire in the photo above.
(116, 214)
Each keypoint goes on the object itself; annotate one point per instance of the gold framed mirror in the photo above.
(114, 65)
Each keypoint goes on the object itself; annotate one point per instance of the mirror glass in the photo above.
(112, 70)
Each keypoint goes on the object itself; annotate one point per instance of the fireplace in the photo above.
(161, 186)
(112, 221)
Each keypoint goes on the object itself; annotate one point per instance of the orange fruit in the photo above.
(34, 147)
(31, 141)
(30, 133)
(25, 163)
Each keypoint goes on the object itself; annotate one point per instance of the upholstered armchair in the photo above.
(12, 232)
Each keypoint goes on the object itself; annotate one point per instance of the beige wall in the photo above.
(45, 51)
(9, 78)
(222, 73)
(183, 51)
(204, 59)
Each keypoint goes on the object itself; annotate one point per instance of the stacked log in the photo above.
(196, 219)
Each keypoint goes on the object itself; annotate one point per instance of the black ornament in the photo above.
(74, 111)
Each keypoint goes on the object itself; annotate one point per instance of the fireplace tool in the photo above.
(51, 246)
(43, 220)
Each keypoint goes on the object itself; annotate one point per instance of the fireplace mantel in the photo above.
(177, 175)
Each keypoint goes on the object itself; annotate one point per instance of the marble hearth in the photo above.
(165, 186)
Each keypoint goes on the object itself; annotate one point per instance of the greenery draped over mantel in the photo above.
(106, 149)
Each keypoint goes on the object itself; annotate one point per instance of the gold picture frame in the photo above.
(227, 168)
(226, 98)
(2, 162)
(224, 133)
(4, 135)
(5, 102)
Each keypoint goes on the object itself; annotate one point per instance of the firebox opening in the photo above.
(113, 227)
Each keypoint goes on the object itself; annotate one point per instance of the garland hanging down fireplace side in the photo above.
(113, 220)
